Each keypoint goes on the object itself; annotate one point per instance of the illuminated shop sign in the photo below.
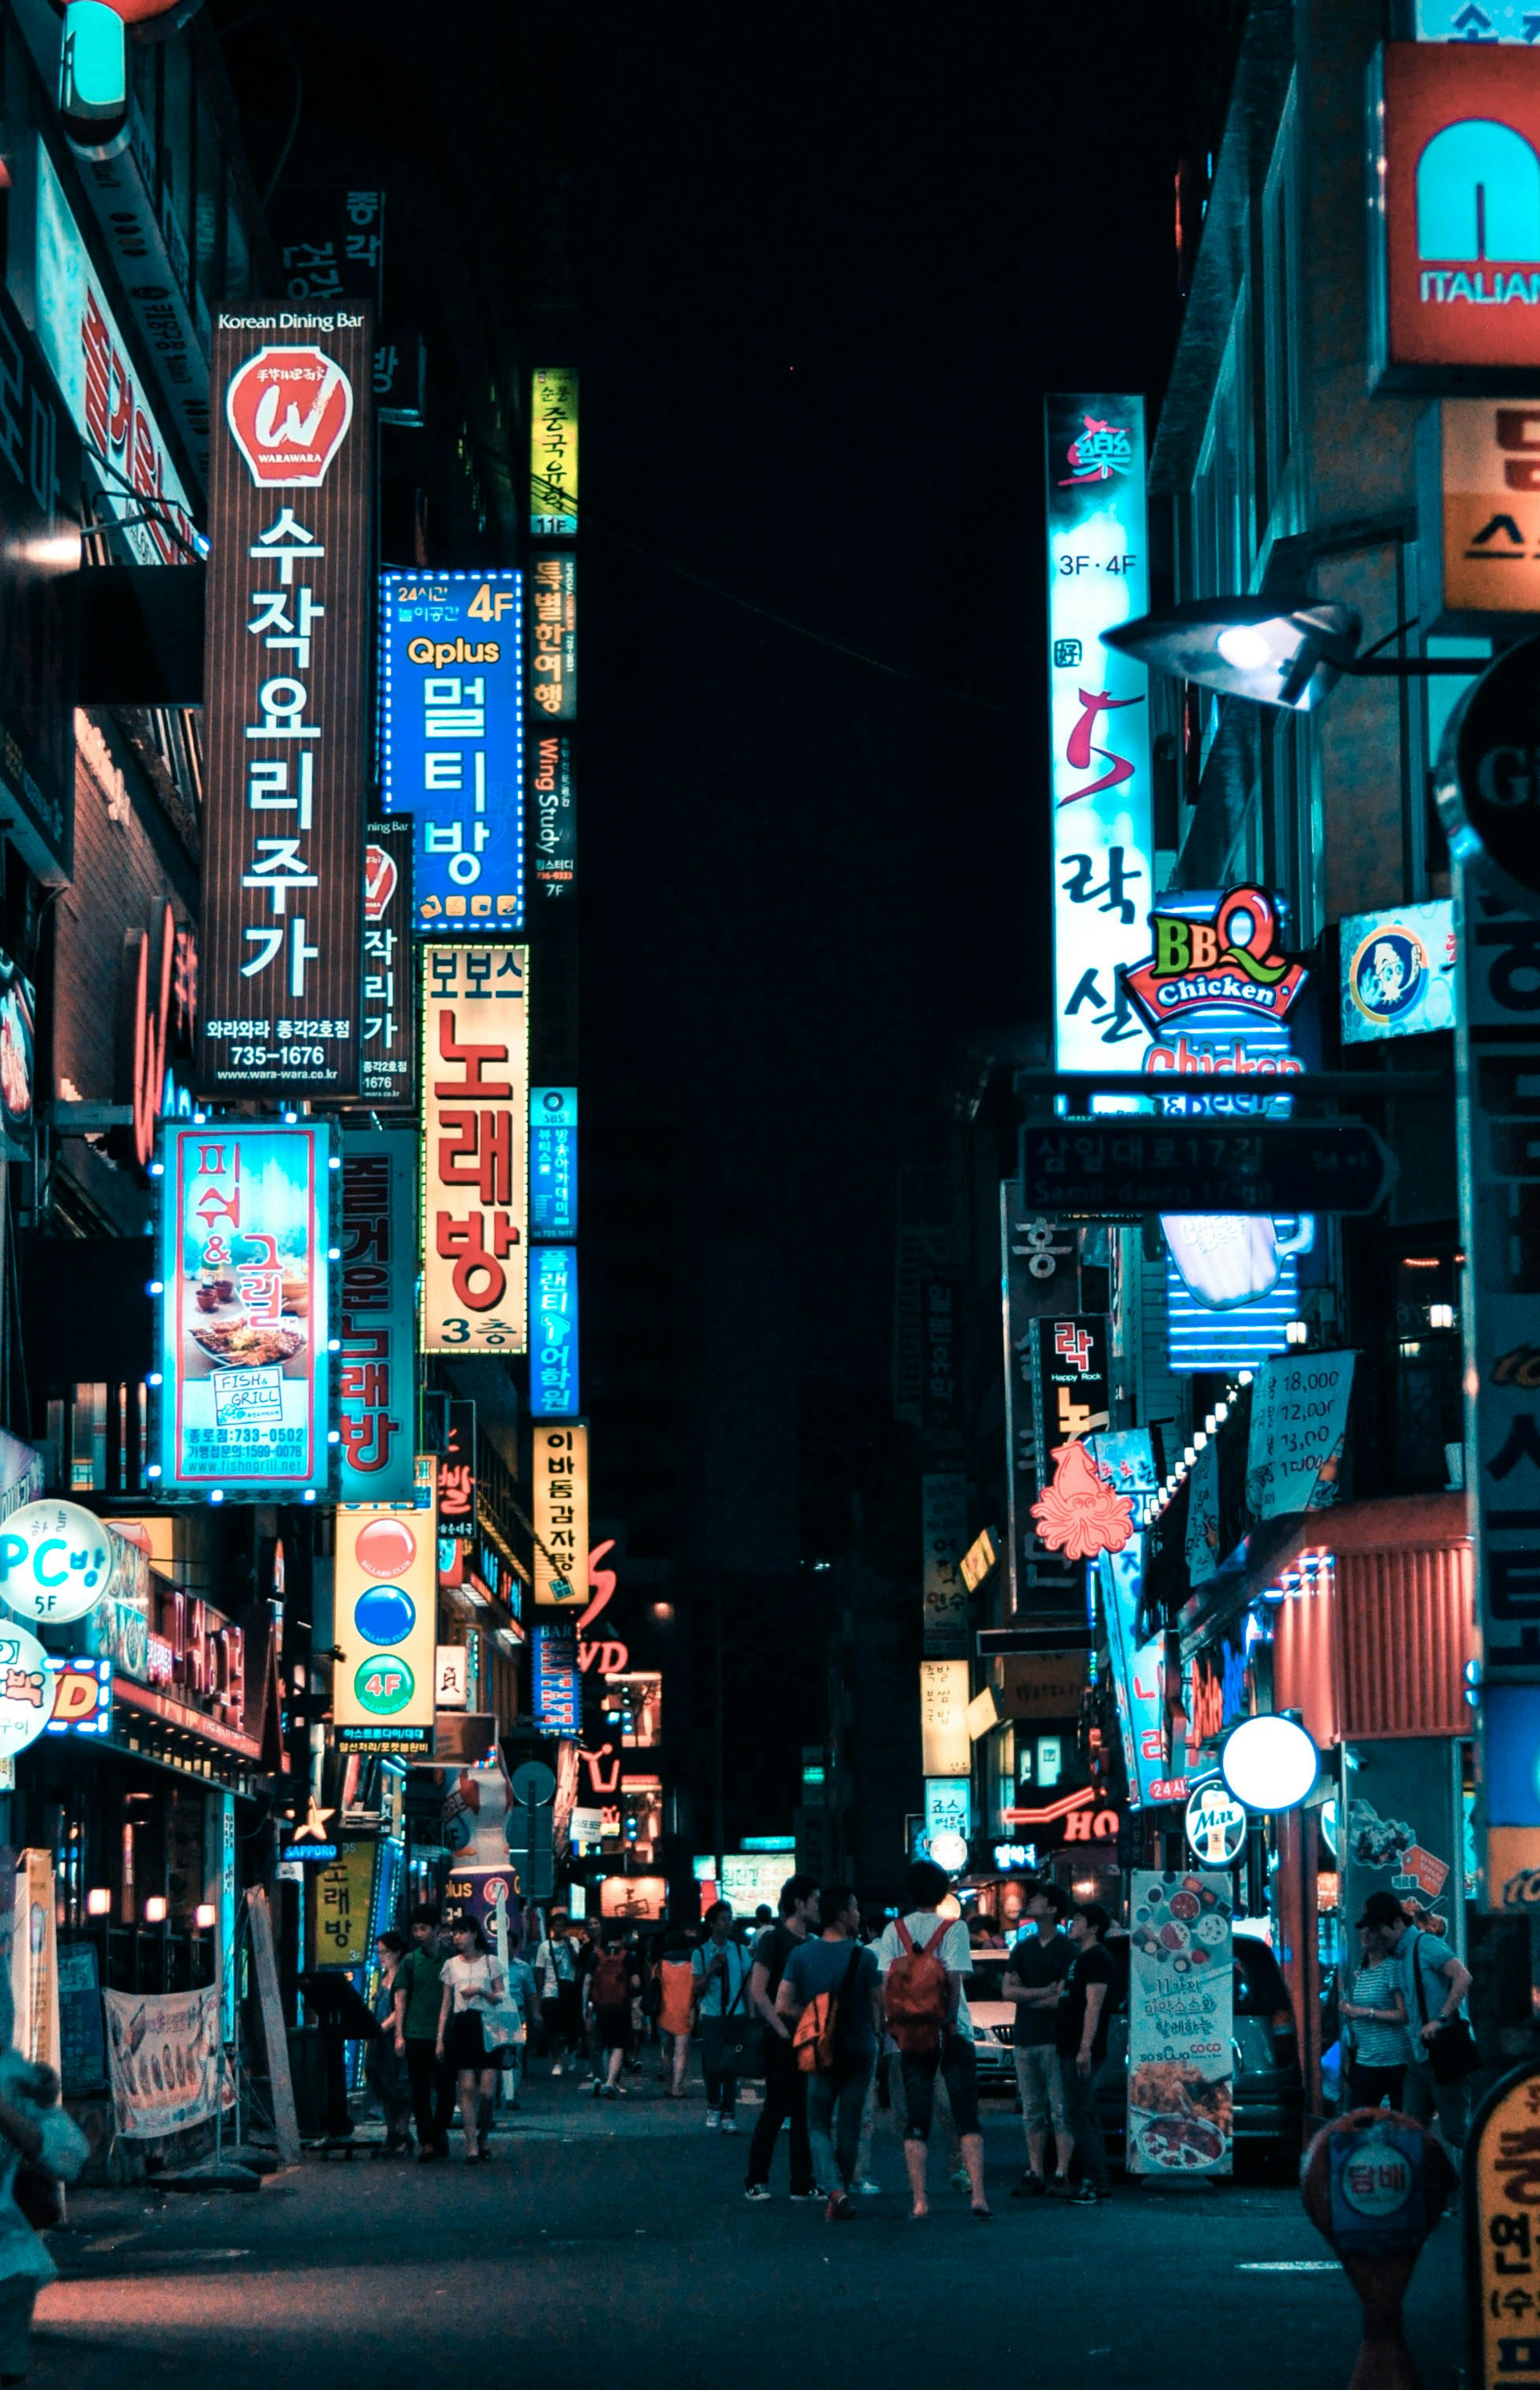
(554, 1377)
(554, 452)
(946, 1747)
(457, 1476)
(553, 1162)
(1398, 971)
(286, 626)
(1235, 960)
(553, 815)
(388, 1045)
(1098, 577)
(386, 1622)
(475, 1148)
(244, 1310)
(552, 637)
(377, 1318)
(1135, 1678)
(82, 1696)
(556, 1686)
(1454, 135)
(452, 743)
(561, 1467)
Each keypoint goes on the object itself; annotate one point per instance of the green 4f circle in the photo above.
(383, 1687)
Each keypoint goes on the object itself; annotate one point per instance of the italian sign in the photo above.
(1180, 2005)
(945, 1744)
(376, 1320)
(554, 452)
(1298, 1427)
(452, 744)
(555, 1390)
(553, 815)
(475, 1148)
(1098, 577)
(560, 1466)
(943, 1532)
(287, 633)
(385, 1621)
(553, 1162)
(388, 1049)
(1399, 974)
(163, 2060)
(245, 1309)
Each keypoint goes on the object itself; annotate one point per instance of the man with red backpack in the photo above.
(613, 1982)
(922, 1958)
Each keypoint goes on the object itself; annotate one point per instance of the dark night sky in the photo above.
(826, 281)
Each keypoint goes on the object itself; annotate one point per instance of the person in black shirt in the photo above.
(785, 2083)
(1036, 1968)
(1081, 2043)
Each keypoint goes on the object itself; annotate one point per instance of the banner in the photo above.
(162, 2050)
(286, 724)
(1403, 1832)
(376, 1320)
(943, 1533)
(1181, 2001)
(244, 1403)
(451, 744)
(475, 1148)
(1298, 1425)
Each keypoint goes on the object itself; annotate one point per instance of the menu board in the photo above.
(1181, 2004)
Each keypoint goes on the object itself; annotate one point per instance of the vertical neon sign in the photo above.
(1098, 576)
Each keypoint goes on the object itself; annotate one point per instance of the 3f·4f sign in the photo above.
(452, 743)
(1098, 576)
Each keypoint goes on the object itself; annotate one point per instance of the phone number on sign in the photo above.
(248, 1057)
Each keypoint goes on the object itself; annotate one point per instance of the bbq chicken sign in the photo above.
(290, 585)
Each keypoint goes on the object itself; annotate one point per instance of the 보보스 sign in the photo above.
(55, 1562)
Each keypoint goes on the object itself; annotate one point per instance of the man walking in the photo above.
(417, 1996)
(922, 1958)
(721, 1968)
(1036, 1968)
(785, 2085)
(1434, 1982)
(832, 1984)
(560, 2002)
(1084, 2016)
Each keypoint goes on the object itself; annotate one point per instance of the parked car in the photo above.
(994, 2021)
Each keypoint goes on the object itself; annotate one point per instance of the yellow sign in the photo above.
(1486, 548)
(560, 1464)
(945, 1744)
(475, 1148)
(979, 1559)
(1511, 1876)
(983, 1713)
(554, 452)
(342, 1904)
(386, 1625)
(1505, 2236)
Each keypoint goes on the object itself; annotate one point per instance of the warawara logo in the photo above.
(288, 410)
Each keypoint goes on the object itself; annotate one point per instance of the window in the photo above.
(1280, 343)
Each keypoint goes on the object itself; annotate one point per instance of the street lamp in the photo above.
(1278, 650)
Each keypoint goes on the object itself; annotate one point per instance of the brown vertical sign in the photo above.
(290, 585)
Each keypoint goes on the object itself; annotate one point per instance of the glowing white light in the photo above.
(1269, 1763)
(1244, 647)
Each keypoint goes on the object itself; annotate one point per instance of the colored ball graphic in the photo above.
(383, 1687)
(386, 1548)
(386, 1614)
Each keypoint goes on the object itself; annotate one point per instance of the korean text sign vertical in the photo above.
(554, 1379)
(1098, 576)
(944, 1597)
(475, 1160)
(377, 1371)
(554, 452)
(1040, 1274)
(289, 588)
(386, 1622)
(388, 1053)
(553, 815)
(946, 1746)
(245, 1312)
(553, 1162)
(451, 743)
(560, 1465)
(1181, 1999)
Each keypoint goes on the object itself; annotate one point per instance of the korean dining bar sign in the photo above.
(1181, 2002)
(244, 1405)
(288, 614)
(475, 1148)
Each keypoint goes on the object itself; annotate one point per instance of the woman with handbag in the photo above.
(1375, 2018)
(1434, 1982)
(475, 1989)
(721, 1970)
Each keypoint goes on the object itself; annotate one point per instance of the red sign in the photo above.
(289, 410)
(1458, 132)
(1234, 957)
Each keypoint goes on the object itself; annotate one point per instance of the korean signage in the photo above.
(330, 242)
(475, 1138)
(938, 1387)
(457, 1476)
(1398, 971)
(948, 1807)
(244, 1403)
(1040, 1268)
(560, 1465)
(341, 1906)
(385, 1623)
(451, 743)
(1502, 2230)
(137, 482)
(946, 1746)
(1180, 2008)
(553, 865)
(291, 495)
(554, 1377)
(555, 1689)
(943, 1532)
(376, 1320)
(1098, 576)
(1071, 1394)
(1454, 156)
(1136, 1677)
(552, 637)
(388, 1044)
(554, 452)
(1476, 21)
(39, 474)
(553, 1162)
(1479, 514)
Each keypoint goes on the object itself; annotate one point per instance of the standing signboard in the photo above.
(388, 1046)
(1103, 835)
(244, 1398)
(1180, 2021)
(451, 744)
(1502, 2234)
(475, 1148)
(386, 1622)
(286, 682)
(944, 1597)
(377, 1316)
(560, 1486)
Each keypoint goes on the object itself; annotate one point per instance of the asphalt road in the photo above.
(617, 2239)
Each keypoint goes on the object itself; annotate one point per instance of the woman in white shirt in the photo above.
(473, 1983)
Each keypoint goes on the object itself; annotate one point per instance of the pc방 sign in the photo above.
(385, 1621)
(291, 495)
(475, 1139)
(452, 744)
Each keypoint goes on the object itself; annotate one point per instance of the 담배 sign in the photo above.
(1180, 2008)
(452, 744)
(475, 1148)
(386, 1621)
(244, 1404)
